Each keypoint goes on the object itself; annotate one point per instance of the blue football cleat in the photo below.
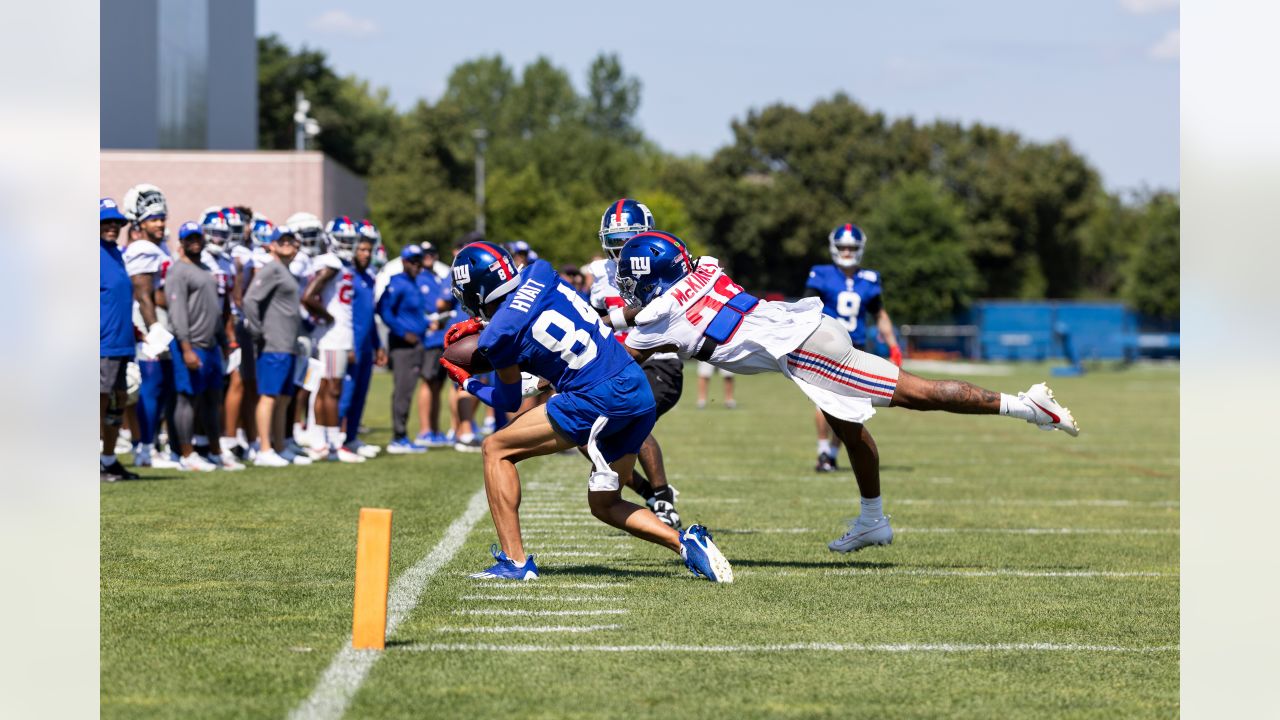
(702, 557)
(506, 569)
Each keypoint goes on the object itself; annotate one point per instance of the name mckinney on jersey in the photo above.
(698, 279)
(526, 294)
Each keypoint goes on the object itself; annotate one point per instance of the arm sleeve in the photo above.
(500, 396)
(179, 322)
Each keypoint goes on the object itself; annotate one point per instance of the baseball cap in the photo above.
(429, 248)
(189, 228)
(518, 246)
(411, 252)
(107, 210)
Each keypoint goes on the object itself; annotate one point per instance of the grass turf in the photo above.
(227, 595)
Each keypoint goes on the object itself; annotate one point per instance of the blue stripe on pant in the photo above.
(355, 390)
(156, 390)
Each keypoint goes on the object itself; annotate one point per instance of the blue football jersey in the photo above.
(847, 299)
(549, 330)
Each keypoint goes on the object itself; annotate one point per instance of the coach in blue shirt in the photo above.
(116, 341)
(402, 308)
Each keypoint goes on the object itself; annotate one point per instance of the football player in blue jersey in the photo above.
(851, 294)
(529, 319)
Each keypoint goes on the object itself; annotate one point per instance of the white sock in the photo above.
(241, 438)
(824, 447)
(297, 432)
(871, 510)
(1014, 406)
(107, 459)
(521, 563)
(227, 443)
(333, 437)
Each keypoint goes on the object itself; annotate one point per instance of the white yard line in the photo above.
(529, 629)
(997, 502)
(547, 585)
(349, 668)
(542, 613)
(796, 647)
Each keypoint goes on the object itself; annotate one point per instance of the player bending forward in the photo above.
(529, 319)
(698, 311)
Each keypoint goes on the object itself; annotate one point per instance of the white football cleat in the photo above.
(270, 458)
(1050, 415)
(142, 455)
(226, 462)
(166, 461)
(346, 456)
(195, 463)
(296, 458)
(862, 535)
(364, 449)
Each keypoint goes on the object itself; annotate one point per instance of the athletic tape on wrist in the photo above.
(617, 319)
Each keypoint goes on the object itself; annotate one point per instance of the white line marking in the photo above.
(542, 613)
(348, 669)
(574, 553)
(530, 629)
(1009, 502)
(541, 598)
(797, 647)
(1001, 572)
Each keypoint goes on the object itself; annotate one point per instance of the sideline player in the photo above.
(328, 298)
(115, 338)
(536, 322)
(367, 347)
(621, 221)
(849, 292)
(698, 311)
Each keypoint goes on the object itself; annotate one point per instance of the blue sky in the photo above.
(1102, 73)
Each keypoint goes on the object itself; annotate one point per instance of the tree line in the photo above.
(952, 212)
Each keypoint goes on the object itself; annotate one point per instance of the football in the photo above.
(464, 354)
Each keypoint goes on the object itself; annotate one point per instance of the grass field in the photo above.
(1032, 575)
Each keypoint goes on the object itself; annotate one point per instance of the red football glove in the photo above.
(470, 326)
(895, 355)
(459, 375)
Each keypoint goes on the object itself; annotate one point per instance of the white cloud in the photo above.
(1167, 48)
(1147, 7)
(338, 21)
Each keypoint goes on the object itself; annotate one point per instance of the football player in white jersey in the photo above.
(328, 298)
(696, 310)
(146, 259)
(621, 221)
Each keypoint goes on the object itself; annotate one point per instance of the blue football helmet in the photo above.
(216, 230)
(483, 272)
(622, 221)
(649, 264)
(847, 237)
(263, 232)
(343, 234)
(236, 222)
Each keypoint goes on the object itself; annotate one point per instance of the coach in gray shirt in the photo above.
(271, 314)
(196, 316)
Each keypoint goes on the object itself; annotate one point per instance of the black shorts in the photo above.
(111, 374)
(431, 367)
(666, 380)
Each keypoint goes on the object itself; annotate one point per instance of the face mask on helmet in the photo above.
(342, 235)
(144, 202)
(847, 244)
(235, 221)
(649, 264)
(482, 274)
(263, 231)
(216, 232)
(622, 221)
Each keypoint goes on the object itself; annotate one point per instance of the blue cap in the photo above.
(107, 210)
(518, 246)
(411, 252)
(189, 228)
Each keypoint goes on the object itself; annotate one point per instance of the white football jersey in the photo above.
(681, 315)
(605, 295)
(223, 269)
(336, 296)
(144, 256)
(261, 256)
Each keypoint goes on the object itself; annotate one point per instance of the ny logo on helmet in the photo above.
(640, 266)
(461, 274)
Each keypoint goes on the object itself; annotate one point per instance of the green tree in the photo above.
(1151, 281)
(612, 99)
(916, 236)
(356, 120)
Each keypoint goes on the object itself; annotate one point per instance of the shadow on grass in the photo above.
(604, 571)
(828, 565)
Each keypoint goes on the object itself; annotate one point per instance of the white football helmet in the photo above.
(144, 201)
(309, 231)
(847, 244)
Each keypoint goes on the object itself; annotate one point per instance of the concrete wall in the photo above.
(129, 77)
(274, 183)
(233, 76)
